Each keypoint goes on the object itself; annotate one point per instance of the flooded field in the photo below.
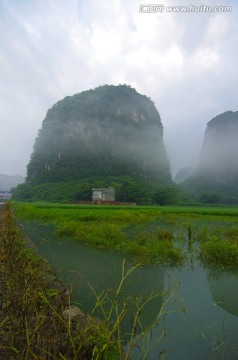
(200, 318)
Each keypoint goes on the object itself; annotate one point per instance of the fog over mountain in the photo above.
(217, 172)
(183, 174)
(108, 131)
(219, 156)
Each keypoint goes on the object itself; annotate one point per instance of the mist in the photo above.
(52, 49)
(215, 180)
(108, 131)
(220, 147)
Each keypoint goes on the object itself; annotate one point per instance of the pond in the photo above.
(207, 329)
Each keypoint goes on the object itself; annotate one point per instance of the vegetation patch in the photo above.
(220, 247)
(153, 234)
(109, 227)
(220, 252)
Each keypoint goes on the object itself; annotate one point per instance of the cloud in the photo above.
(186, 63)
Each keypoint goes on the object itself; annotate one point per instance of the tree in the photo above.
(166, 195)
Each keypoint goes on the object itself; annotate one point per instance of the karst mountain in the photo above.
(111, 133)
(216, 179)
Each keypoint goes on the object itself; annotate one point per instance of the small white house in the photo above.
(102, 194)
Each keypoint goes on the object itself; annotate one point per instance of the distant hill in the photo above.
(183, 174)
(111, 133)
(8, 182)
(216, 179)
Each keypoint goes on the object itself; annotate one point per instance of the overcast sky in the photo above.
(185, 62)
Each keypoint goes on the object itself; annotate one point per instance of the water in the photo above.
(208, 329)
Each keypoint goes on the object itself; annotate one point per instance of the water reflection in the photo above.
(209, 328)
(223, 285)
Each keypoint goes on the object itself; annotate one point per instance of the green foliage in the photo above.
(54, 192)
(166, 195)
(220, 251)
(210, 198)
(127, 189)
(219, 246)
(130, 191)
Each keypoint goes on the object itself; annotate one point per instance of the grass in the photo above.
(219, 247)
(218, 251)
(109, 227)
(152, 234)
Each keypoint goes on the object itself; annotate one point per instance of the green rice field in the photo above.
(152, 234)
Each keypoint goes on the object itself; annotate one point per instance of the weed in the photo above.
(219, 251)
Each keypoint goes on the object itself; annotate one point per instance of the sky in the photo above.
(185, 61)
